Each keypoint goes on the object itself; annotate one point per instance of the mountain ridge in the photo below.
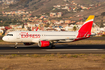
(44, 6)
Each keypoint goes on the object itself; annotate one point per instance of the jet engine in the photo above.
(28, 43)
(43, 43)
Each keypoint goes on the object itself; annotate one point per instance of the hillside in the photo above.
(38, 7)
(43, 6)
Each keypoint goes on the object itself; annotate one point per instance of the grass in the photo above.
(41, 55)
(14, 55)
(68, 55)
(1, 41)
(55, 55)
(36, 55)
(48, 56)
(103, 56)
(51, 61)
(75, 56)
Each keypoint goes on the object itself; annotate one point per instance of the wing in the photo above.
(37, 40)
(57, 39)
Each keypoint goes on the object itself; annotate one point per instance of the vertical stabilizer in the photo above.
(85, 30)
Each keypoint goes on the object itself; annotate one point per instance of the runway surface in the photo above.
(63, 49)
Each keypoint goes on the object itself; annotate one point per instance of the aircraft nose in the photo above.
(4, 38)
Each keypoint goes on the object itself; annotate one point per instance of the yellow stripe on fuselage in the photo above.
(90, 17)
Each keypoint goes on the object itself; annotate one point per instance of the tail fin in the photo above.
(37, 29)
(85, 30)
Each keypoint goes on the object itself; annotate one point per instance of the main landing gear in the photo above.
(52, 45)
(16, 45)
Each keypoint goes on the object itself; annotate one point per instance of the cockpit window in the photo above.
(9, 34)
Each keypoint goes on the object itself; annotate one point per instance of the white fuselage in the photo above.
(36, 36)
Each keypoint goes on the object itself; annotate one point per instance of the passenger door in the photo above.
(19, 39)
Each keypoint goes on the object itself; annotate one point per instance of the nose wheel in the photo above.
(16, 45)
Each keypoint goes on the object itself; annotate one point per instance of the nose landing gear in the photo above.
(16, 45)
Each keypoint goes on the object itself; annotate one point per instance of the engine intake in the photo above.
(43, 43)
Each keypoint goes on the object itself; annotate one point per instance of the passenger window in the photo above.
(9, 34)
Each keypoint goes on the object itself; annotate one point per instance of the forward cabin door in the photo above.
(18, 37)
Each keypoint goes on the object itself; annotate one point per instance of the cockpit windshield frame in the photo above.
(9, 35)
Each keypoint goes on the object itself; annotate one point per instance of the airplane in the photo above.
(48, 38)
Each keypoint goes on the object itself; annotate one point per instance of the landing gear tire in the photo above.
(16, 45)
(52, 46)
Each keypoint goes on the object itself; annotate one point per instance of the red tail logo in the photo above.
(85, 30)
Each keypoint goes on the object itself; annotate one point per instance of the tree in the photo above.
(23, 25)
(74, 28)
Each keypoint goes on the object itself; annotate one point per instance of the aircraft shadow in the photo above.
(57, 47)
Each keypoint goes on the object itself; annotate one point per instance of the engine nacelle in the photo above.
(43, 43)
(28, 43)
